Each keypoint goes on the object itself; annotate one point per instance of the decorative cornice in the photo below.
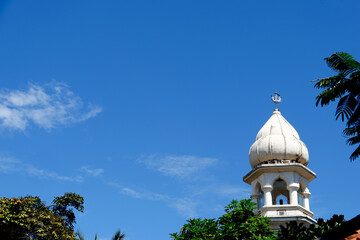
(279, 167)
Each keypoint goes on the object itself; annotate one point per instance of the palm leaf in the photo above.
(346, 107)
(355, 76)
(118, 235)
(355, 154)
(328, 82)
(343, 63)
(350, 131)
(345, 87)
(355, 116)
(331, 94)
(353, 140)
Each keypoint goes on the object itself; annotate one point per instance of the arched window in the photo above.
(281, 200)
(280, 193)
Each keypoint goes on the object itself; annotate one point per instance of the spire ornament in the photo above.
(276, 98)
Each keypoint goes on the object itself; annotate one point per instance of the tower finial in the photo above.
(276, 98)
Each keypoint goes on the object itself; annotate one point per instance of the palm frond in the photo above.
(118, 235)
(350, 131)
(355, 76)
(343, 63)
(355, 154)
(331, 94)
(355, 116)
(353, 140)
(346, 107)
(345, 87)
(329, 81)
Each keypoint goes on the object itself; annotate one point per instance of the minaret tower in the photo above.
(280, 177)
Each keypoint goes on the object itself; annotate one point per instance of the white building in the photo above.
(279, 177)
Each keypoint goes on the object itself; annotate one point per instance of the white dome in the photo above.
(278, 140)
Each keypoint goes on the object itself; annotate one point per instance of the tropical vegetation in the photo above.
(344, 87)
(242, 222)
(295, 231)
(239, 221)
(29, 218)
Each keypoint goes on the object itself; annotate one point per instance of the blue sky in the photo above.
(148, 108)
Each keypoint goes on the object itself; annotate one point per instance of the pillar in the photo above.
(267, 195)
(306, 200)
(293, 188)
(255, 198)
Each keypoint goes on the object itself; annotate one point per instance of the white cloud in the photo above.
(41, 173)
(218, 189)
(10, 165)
(178, 166)
(195, 196)
(94, 172)
(231, 191)
(184, 206)
(138, 194)
(46, 106)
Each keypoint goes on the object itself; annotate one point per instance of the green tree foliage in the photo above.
(294, 231)
(239, 222)
(64, 205)
(29, 218)
(198, 229)
(344, 87)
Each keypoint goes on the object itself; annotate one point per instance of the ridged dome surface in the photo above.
(278, 140)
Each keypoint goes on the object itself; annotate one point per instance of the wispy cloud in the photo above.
(184, 206)
(196, 195)
(138, 194)
(46, 106)
(232, 191)
(94, 172)
(178, 166)
(10, 165)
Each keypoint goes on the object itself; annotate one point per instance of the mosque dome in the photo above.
(278, 140)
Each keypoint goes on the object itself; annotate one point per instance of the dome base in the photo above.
(279, 167)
